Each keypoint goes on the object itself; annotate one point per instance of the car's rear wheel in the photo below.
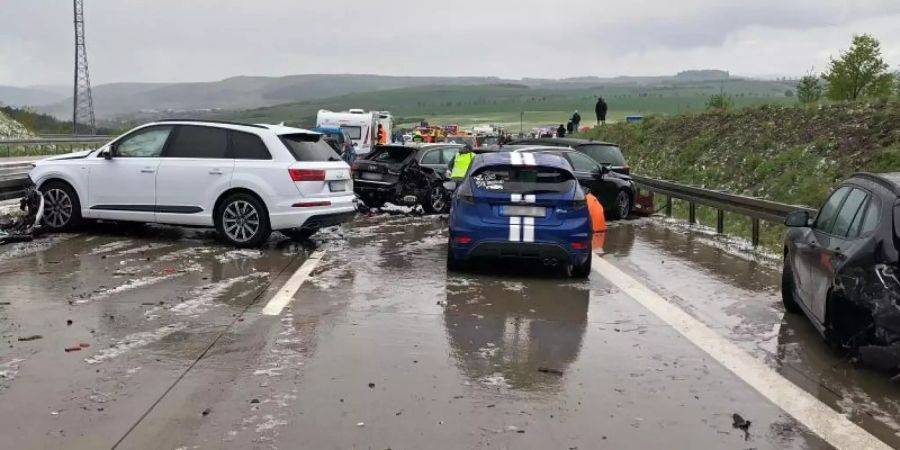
(622, 206)
(243, 221)
(582, 270)
(453, 263)
(787, 289)
(436, 202)
(300, 234)
(62, 209)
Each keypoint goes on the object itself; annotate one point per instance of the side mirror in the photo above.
(107, 154)
(797, 219)
(586, 190)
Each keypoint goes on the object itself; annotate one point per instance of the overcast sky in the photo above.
(200, 40)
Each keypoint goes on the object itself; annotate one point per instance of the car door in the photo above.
(587, 171)
(807, 245)
(431, 158)
(832, 243)
(194, 170)
(123, 187)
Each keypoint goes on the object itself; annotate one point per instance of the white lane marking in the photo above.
(515, 159)
(827, 423)
(530, 198)
(286, 293)
(515, 198)
(514, 228)
(528, 230)
(528, 159)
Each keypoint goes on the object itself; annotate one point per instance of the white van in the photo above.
(362, 126)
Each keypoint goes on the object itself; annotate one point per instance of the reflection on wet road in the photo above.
(382, 348)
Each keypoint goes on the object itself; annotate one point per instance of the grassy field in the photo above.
(503, 103)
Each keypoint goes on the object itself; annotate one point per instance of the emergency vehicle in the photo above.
(362, 126)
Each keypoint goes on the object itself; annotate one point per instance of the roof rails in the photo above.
(224, 122)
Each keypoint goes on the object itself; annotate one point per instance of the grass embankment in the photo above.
(782, 153)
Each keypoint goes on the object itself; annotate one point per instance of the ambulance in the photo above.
(362, 126)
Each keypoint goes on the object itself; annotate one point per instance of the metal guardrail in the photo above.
(50, 145)
(13, 178)
(756, 209)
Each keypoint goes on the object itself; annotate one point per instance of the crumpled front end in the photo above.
(881, 296)
(21, 224)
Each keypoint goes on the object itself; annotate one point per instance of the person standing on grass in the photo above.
(576, 121)
(561, 131)
(600, 109)
(570, 127)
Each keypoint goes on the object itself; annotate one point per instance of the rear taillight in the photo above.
(578, 204)
(307, 174)
(581, 245)
(462, 239)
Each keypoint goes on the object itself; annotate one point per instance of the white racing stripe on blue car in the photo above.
(515, 225)
(528, 159)
(515, 159)
(528, 230)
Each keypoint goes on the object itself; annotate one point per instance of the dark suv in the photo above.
(841, 267)
(603, 152)
(403, 175)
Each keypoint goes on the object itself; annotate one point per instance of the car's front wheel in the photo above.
(787, 288)
(436, 202)
(62, 209)
(243, 221)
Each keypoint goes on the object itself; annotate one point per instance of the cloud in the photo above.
(174, 40)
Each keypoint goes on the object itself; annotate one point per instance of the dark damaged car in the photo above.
(397, 174)
(841, 268)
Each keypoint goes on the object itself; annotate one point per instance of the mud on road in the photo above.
(382, 348)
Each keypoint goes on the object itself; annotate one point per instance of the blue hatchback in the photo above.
(521, 206)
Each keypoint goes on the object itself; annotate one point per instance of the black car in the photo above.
(614, 191)
(841, 267)
(602, 152)
(401, 175)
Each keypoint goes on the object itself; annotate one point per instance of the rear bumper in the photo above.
(328, 220)
(537, 251)
(342, 209)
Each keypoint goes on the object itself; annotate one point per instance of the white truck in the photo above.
(362, 126)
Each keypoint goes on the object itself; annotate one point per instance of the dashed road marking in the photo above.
(827, 423)
(286, 293)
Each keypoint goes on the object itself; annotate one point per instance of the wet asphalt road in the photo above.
(381, 348)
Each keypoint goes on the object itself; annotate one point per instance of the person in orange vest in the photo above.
(381, 135)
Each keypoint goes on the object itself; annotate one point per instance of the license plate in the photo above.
(337, 186)
(371, 176)
(527, 211)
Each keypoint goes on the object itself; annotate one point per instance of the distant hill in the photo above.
(28, 96)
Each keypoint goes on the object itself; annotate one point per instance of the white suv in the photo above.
(245, 180)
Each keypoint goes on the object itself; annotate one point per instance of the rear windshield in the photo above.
(354, 132)
(603, 154)
(390, 154)
(309, 147)
(523, 180)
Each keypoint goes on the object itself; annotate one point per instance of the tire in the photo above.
(453, 264)
(582, 271)
(62, 208)
(787, 289)
(242, 220)
(300, 234)
(436, 200)
(621, 206)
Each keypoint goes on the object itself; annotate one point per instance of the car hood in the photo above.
(74, 155)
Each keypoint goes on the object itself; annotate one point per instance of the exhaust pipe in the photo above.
(550, 262)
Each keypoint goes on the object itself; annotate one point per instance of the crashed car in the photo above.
(397, 174)
(841, 268)
(21, 225)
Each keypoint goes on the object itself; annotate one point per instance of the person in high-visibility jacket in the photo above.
(461, 163)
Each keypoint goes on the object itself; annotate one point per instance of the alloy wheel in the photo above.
(623, 204)
(437, 199)
(57, 208)
(240, 221)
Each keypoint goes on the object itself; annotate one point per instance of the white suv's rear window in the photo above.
(309, 147)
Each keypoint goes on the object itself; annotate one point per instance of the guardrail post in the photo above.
(720, 221)
(669, 206)
(692, 213)
(754, 233)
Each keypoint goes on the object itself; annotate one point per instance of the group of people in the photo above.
(575, 122)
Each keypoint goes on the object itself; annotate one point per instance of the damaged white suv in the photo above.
(244, 180)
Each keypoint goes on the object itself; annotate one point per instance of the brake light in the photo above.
(580, 245)
(307, 174)
(462, 239)
(578, 204)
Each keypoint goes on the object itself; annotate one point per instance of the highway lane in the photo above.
(381, 348)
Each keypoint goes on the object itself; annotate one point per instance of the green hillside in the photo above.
(503, 102)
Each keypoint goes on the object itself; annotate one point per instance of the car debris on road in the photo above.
(20, 226)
